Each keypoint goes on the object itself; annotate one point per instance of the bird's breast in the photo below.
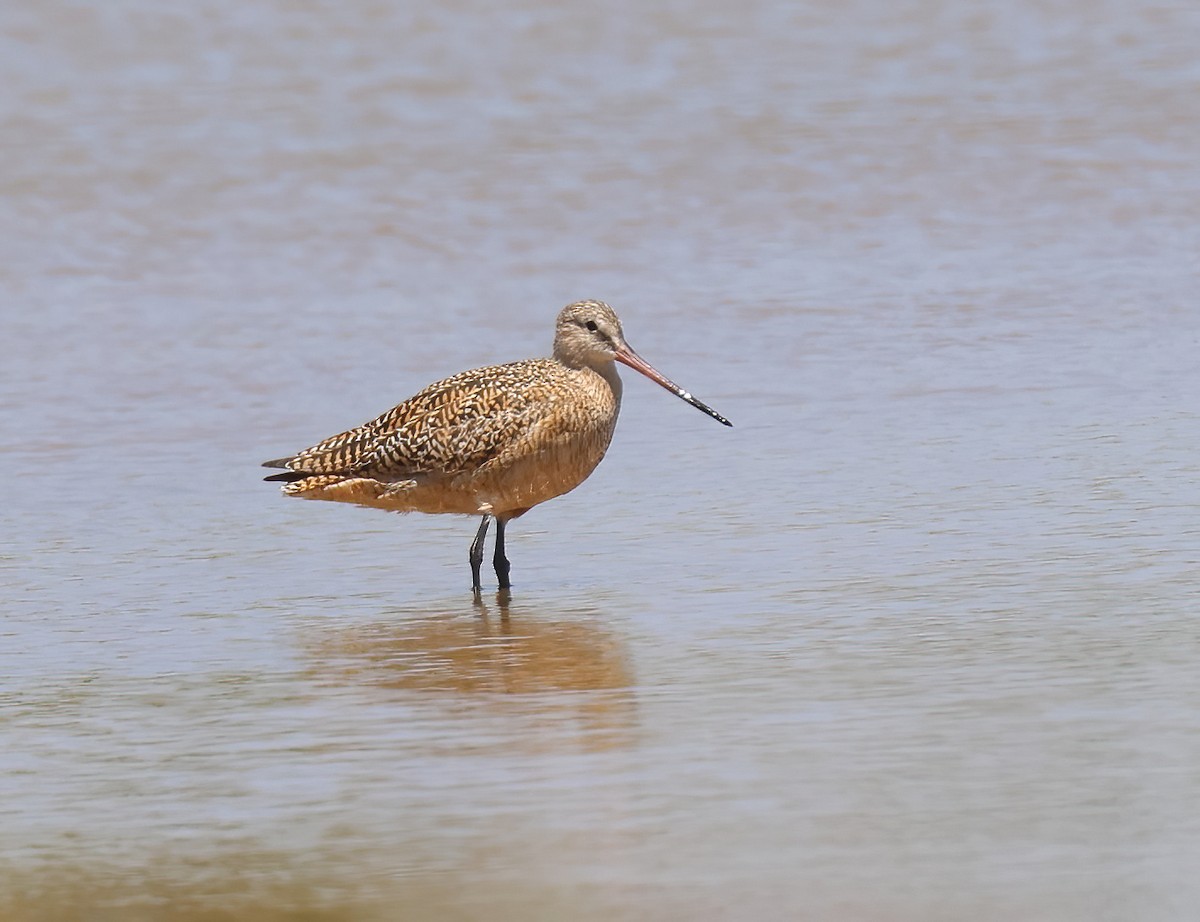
(557, 452)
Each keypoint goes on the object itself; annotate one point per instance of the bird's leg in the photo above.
(499, 561)
(476, 556)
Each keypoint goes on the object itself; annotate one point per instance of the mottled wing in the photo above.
(451, 427)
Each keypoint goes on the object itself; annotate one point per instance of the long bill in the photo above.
(626, 356)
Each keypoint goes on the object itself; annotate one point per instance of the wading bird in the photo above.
(492, 441)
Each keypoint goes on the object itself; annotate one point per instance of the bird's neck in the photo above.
(608, 371)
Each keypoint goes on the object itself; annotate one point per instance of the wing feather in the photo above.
(453, 426)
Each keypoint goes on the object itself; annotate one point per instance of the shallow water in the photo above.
(914, 640)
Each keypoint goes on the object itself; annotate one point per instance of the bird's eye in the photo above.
(591, 325)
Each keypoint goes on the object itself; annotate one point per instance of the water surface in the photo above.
(914, 641)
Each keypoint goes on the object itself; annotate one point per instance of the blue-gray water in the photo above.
(916, 640)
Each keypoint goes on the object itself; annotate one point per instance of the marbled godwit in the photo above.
(494, 441)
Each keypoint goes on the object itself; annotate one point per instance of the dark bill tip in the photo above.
(701, 405)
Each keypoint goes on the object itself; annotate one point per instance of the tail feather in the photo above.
(288, 476)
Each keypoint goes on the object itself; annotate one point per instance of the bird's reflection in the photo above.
(512, 657)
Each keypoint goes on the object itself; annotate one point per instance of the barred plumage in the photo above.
(494, 441)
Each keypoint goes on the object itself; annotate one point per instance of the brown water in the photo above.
(916, 640)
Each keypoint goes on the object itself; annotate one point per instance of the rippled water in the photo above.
(915, 640)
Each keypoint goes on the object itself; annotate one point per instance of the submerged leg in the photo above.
(476, 556)
(499, 561)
